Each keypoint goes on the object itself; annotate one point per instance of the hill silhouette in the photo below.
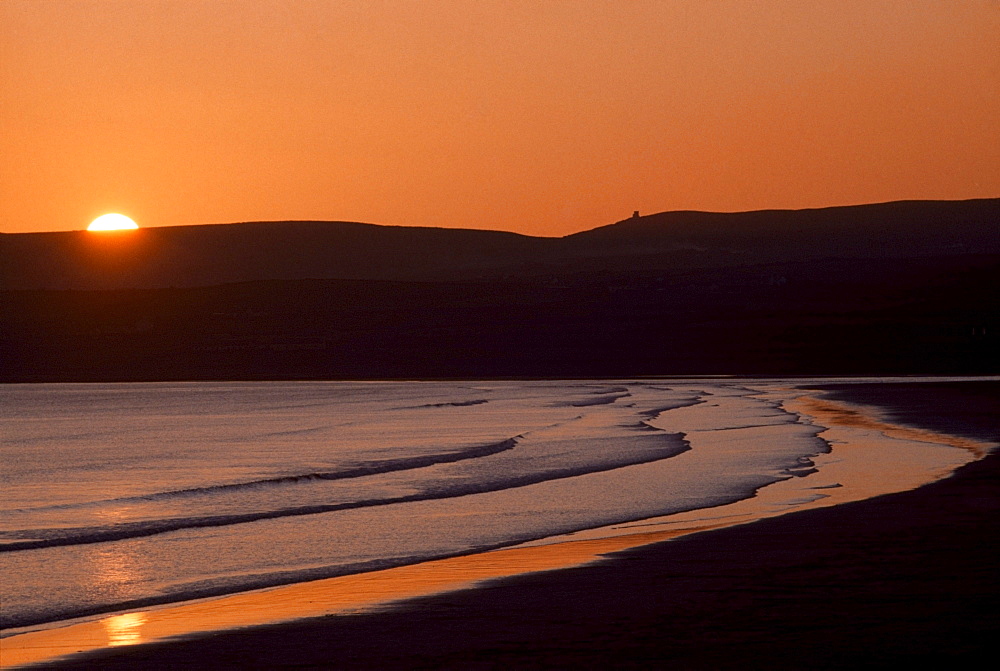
(185, 256)
(189, 256)
(895, 288)
(887, 230)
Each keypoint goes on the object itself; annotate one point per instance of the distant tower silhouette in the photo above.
(635, 215)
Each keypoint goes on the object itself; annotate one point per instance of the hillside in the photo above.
(886, 230)
(188, 256)
(184, 256)
(903, 288)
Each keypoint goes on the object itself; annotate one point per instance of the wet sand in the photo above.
(900, 578)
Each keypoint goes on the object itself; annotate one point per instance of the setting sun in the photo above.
(112, 222)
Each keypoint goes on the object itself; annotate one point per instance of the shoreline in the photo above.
(415, 611)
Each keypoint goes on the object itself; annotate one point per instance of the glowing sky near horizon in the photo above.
(538, 116)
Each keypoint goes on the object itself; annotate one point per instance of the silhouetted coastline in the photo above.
(899, 288)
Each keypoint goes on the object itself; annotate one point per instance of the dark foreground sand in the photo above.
(904, 578)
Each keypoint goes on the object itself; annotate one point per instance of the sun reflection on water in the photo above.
(124, 629)
(116, 571)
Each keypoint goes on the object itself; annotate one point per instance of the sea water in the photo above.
(116, 496)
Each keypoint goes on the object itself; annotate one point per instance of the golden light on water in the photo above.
(124, 629)
(112, 222)
(862, 445)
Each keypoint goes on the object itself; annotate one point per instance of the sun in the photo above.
(112, 222)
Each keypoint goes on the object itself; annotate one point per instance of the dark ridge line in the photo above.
(143, 529)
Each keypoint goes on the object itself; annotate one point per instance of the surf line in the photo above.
(845, 414)
(843, 475)
(331, 596)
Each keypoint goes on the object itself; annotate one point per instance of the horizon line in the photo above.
(529, 235)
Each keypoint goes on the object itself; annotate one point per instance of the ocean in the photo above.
(121, 496)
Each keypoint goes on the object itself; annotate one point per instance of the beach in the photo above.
(897, 578)
(499, 335)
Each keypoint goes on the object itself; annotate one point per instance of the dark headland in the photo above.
(895, 288)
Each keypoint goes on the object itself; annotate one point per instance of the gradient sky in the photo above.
(539, 116)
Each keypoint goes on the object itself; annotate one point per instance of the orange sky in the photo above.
(540, 116)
